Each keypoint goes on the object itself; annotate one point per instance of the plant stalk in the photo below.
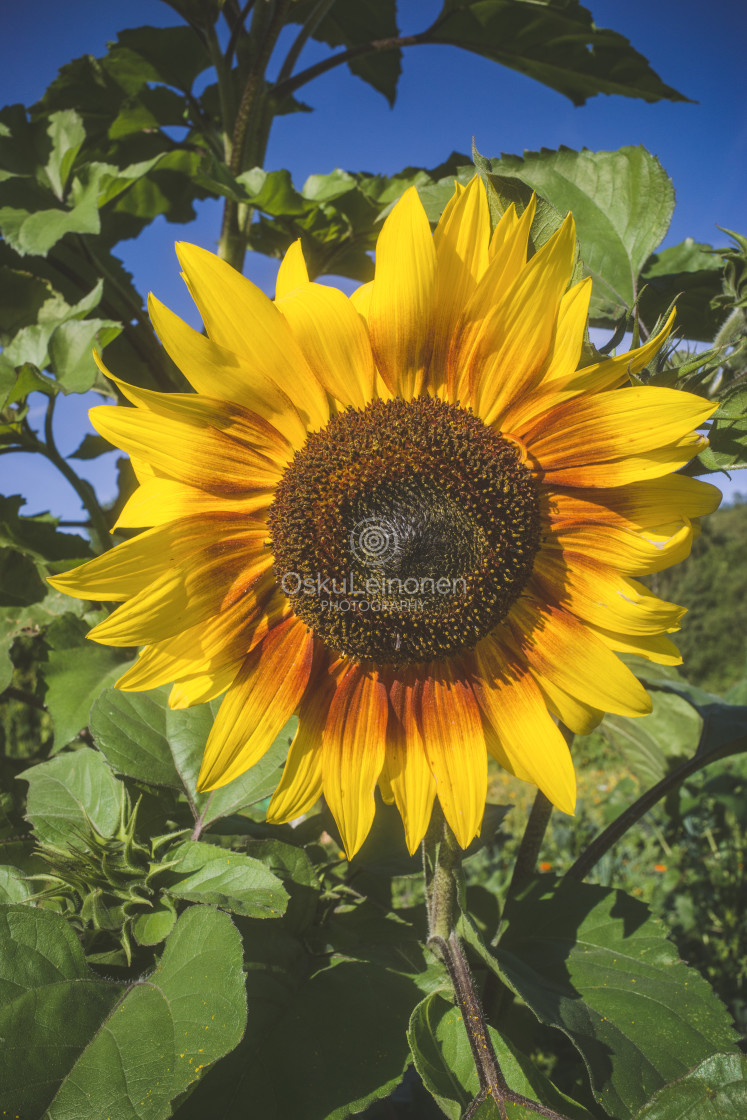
(442, 861)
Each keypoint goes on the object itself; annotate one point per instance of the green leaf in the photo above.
(37, 536)
(296, 872)
(715, 1090)
(30, 380)
(653, 744)
(13, 886)
(44, 983)
(76, 672)
(443, 1058)
(130, 729)
(166, 1030)
(144, 739)
(348, 25)
(236, 882)
(174, 55)
(21, 296)
(67, 134)
(20, 583)
(691, 273)
(594, 963)
(69, 789)
(345, 1028)
(622, 202)
(155, 926)
(188, 731)
(70, 351)
(91, 446)
(273, 192)
(556, 43)
(37, 231)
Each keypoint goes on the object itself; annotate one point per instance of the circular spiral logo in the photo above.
(372, 542)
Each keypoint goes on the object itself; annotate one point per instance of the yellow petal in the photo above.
(159, 500)
(654, 647)
(562, 650)
(461, 240)
(455, 745)
(527, 735)
(615, 425)
(578, 717)
(507, 257)
(132, 565)
(630, 468)
(518, 333)
(596, 593)
(639, 505)
(293, 272)
(198, 588)
(217, 372)
(334, 341)
(407, 770)
(264, 695)
(199, 690)
(240, 317)
(402, 301)
(201, 457)
(211, 647)
(301, 784)
(354, 748)
(634, 553)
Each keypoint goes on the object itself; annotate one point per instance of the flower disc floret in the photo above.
(404, 531)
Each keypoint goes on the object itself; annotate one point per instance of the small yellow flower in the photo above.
(407, 516)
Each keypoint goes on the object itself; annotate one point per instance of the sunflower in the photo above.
(407, 516)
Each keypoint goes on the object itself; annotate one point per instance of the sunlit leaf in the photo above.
(594, 963)
(231, 880)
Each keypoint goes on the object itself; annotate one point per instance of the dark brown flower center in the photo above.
(404, 531)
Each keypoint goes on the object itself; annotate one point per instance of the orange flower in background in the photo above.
(406, 516)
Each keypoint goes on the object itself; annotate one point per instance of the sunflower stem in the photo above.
(531, 842)
(443, 912)
(442, 861)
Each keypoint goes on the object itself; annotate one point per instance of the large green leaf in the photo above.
(88, 1047)
(690, 273)
(188, 731)
(622, 202)
(556, 42)
(232, 880)
(130, 729)
(143, 739)
(174, 55)
(716, 1090)
(349, 25)
(67, 791)
(652, 744)
(75, 673)
(594, 963)
(51, 1006)
(443, 1058)
(345, 1028)
(36, 231)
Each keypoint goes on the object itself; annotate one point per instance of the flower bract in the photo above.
(413, 517)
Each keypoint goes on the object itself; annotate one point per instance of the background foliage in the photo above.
(183, 947)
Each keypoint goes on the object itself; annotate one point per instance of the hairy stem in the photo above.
(442, 871)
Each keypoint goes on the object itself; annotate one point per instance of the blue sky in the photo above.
(446, 96)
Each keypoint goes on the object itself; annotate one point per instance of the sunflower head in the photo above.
(411, 517)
